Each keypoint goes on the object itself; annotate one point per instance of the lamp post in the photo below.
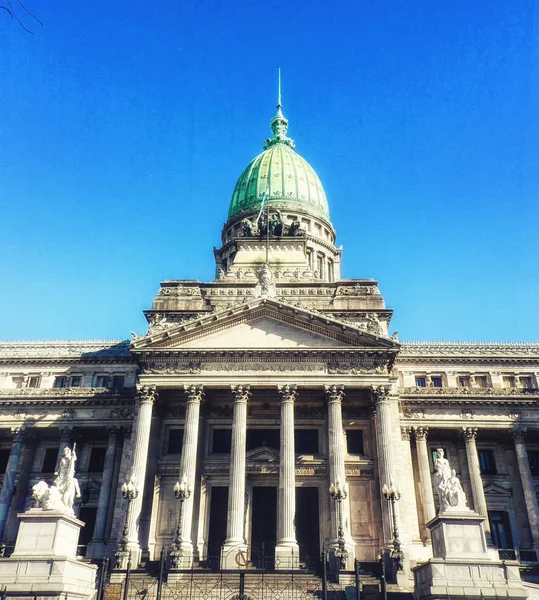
(392, 494)
(338, 493)
(182, 491)
(129, 492)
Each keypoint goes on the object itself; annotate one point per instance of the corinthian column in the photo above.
(194, 396)
(234, 554)
(97, 546)
(12, 468)
(146, 397)
(287, 549)
(337, 473)
(383, 402)
(478, 493)
(528, 487)
(429, 511)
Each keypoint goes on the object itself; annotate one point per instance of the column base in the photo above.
(132, 551)
(334, 557)
(234, 555)
(182, 558)
(286, 556)
(96, 549)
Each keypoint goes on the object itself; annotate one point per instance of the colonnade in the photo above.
(232, 557)
(478, 501)
(18, 471)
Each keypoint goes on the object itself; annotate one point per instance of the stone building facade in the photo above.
(260, 389)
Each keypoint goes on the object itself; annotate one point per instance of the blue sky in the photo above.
(125, 126)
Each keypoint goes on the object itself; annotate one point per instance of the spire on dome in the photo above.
(279, 124)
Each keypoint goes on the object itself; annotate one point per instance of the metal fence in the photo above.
(254, 583)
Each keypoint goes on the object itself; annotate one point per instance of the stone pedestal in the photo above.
(461, 566)
(44, 562)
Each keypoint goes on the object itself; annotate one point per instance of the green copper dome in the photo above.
(289, 179)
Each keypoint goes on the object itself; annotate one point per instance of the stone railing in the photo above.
(468, 391)
(65, 392)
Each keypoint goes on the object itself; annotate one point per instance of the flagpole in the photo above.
(267, 232)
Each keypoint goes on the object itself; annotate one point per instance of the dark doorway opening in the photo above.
(217, 527)
(308, 525)
(87, 515)
(263, 526)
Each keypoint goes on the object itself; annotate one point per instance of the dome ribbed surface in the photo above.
(291, 181)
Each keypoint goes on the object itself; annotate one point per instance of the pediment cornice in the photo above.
(316, 323)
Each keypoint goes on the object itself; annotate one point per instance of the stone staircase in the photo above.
(257, 585)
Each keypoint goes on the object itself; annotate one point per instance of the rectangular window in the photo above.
(221, 441)
(508, 381)
(175, 441)
(526, 383)
(258, 438)
(102, 381)
(481, 381)
(306, 441)
(330, 270)
(420, 382)
(33, 381)
(97, 459)
(76, 381)
(533, 456)
(500, 529)
(118, 382)
(49, 461)
(464, 381)
(486, 461)
(4, 457)
(354, 441)
(18, 381)
(436, 381)
(320, 266)
(60, 382)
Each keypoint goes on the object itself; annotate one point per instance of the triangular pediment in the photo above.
(494, 489)
(261, 324)
(262, 454)
(264, 332)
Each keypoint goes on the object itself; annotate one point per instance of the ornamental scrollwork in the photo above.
(288, 392)
(194, 393)
(241, 393)
(147, 394)
(469, 433)
(334, 393)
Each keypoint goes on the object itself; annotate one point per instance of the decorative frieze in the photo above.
(191, 368)
(147, 394)
(468, 391)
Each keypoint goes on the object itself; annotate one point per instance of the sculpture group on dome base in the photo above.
(61, 495)
(277, 226)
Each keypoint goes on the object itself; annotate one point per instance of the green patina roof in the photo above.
(288, 177)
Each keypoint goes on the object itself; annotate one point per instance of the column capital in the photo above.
(147, 394)
(406, 434)
(288, 393)
(66, 433)
(381, 393)
(194, 393)
(241, 393)
(469, 433)
(519, 435)
(421, 433)
(113, 432)
(334, 393)
(18, 434)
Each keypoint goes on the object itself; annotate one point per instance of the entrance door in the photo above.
(263, 526)
(308, 525)
(217, 528)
